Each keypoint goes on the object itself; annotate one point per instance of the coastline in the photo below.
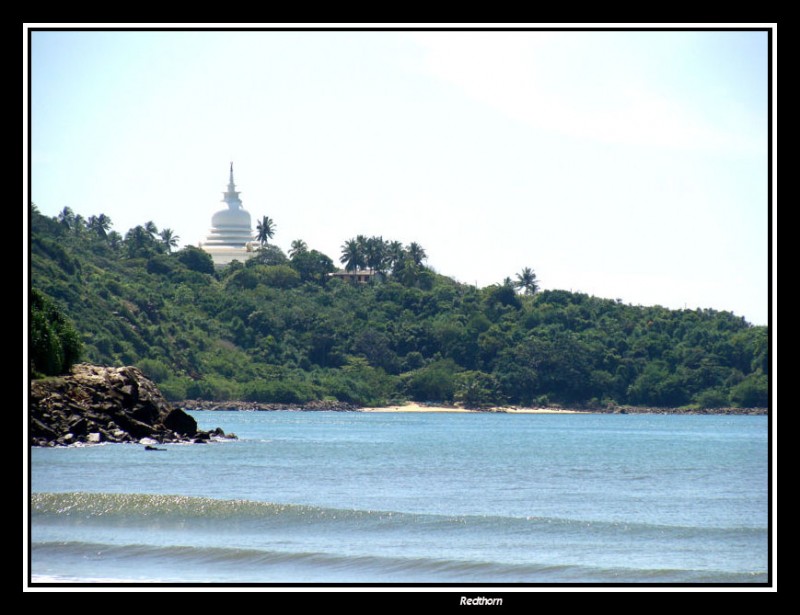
(337, 406)
(416, 407)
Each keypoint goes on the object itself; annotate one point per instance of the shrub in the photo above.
(435, 382)
(196, 259)
(154, 369)
(711, 398)
(476, 389)
(278, 391)
(752, 392)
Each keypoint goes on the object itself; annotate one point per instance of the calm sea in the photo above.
(332, 497)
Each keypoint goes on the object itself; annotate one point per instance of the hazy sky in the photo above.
(627, 165)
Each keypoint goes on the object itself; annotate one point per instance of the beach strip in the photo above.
(415, 407)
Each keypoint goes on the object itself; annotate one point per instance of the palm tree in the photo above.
(169, 239)
(78, 224)
(526, 281)
(375, 254)
(396, 255)
(99, 224)
(114, 240)
(67, 218)
(417, 253)
(138, 242)
(352, 257)
(298, 247)
(266, 230)
(151, 228)
(104, 223)
(362, 241)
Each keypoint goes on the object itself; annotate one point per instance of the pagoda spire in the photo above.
(231, 197)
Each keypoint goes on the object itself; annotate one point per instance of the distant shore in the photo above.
(416, 407)
(339, 406)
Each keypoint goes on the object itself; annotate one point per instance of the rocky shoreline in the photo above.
(339, 406)
(222, 406)
(645, 410)
(95, 404)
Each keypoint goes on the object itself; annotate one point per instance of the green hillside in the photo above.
(279, 329)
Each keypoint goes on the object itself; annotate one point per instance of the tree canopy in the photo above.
(278, 328)
(54, 343)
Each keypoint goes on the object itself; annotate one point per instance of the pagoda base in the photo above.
(225, 255)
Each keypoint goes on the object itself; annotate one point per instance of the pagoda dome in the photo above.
(231, 218)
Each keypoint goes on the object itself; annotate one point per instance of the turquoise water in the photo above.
(318, 497)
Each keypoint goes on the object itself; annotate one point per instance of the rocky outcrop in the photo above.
(646, 410)
(107, 404)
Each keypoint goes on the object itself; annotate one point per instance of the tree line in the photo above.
(279, 328)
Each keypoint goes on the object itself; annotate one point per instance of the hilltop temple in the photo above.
(231, 235)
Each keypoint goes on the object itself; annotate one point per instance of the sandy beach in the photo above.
(415, 407)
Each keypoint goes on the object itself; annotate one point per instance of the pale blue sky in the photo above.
(627, 165)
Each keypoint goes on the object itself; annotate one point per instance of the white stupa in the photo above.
(231, 235)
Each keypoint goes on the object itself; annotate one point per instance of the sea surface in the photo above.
(347, 497)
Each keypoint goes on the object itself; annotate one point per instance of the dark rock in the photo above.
(78, 427)
(135, 428)
(40, 430)
(104, 404)
(180, 422)
(146, 413)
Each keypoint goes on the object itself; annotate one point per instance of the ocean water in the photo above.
(335, 497)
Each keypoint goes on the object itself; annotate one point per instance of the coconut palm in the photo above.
(298, 247)
(67, 218)
(169, 239)
(114, 240)
(527, 282)
(151, 228)
(362, 241)
(138, 242)
(396, 255)
(78, 225)
(104, 223)
(376, 254)
(352, 256)
(417, 253)
(266, 230)
(99, 224)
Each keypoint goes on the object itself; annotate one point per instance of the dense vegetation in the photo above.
(278, 328)
(54, 344)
